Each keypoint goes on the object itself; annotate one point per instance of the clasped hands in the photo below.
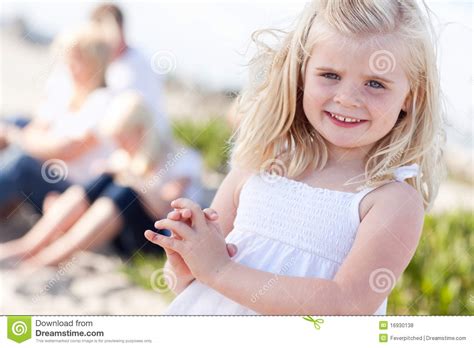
(197, 245)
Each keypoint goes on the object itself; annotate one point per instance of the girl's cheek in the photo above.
(318, 92)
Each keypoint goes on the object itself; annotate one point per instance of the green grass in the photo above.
(209, 137)
(144, 270)
(440, 278)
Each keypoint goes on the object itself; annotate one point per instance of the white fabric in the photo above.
(131, 71)
(289, 228)
(66, 124)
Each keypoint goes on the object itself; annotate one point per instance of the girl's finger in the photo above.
(186, 213)
(197, 214)
(174, 215)
(163, 241)
(211, 214)
(177, 227)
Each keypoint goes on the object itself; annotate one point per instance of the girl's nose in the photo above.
(348, 96)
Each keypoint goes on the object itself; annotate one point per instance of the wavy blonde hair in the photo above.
(274, 126)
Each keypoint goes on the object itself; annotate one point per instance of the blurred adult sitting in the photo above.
(59, 147)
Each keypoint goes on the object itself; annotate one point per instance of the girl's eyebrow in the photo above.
(369, 77)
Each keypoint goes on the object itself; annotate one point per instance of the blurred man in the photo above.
(129, 70)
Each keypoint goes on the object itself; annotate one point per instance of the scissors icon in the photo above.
(316, 322)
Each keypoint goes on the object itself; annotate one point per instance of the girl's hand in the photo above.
(179, 267)
(201, 244)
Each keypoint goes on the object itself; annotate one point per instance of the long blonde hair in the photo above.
(275, 128)
(128, 111)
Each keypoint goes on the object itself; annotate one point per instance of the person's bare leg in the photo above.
(65, 211)
(49, 200)
(101, 223)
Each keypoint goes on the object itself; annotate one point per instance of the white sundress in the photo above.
(285, 227)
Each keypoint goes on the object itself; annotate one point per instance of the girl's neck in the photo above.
(347, 157)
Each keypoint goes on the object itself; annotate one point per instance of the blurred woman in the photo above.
(59, 147)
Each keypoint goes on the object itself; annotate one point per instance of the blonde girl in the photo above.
(336, 160)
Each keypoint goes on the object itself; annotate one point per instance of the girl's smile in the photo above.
(344, 121)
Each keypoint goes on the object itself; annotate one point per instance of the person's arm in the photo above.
(226, 200)
(385, 243)
(37, 141)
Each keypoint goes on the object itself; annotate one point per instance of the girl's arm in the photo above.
(226, 200)
(385, 243)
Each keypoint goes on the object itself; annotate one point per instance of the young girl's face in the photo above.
(359, 81)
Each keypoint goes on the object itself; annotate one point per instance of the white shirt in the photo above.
(66, 124)
(131, 71)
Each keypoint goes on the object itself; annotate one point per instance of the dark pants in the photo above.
(25, 178)
(136, 219)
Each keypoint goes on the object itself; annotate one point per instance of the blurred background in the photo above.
(199, 52)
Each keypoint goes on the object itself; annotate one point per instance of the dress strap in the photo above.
(400, 174)
(405, 172)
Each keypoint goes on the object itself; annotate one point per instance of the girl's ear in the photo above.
(406, 103)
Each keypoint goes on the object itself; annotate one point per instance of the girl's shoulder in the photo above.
(234, 182)
(394, 198)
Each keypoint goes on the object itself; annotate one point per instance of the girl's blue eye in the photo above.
(331, 76)
(375, 84)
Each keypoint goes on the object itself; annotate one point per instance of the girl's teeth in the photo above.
(344, 119)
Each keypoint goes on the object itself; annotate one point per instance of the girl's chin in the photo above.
(342, 142)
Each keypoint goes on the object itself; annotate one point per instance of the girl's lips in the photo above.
(344, 124)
